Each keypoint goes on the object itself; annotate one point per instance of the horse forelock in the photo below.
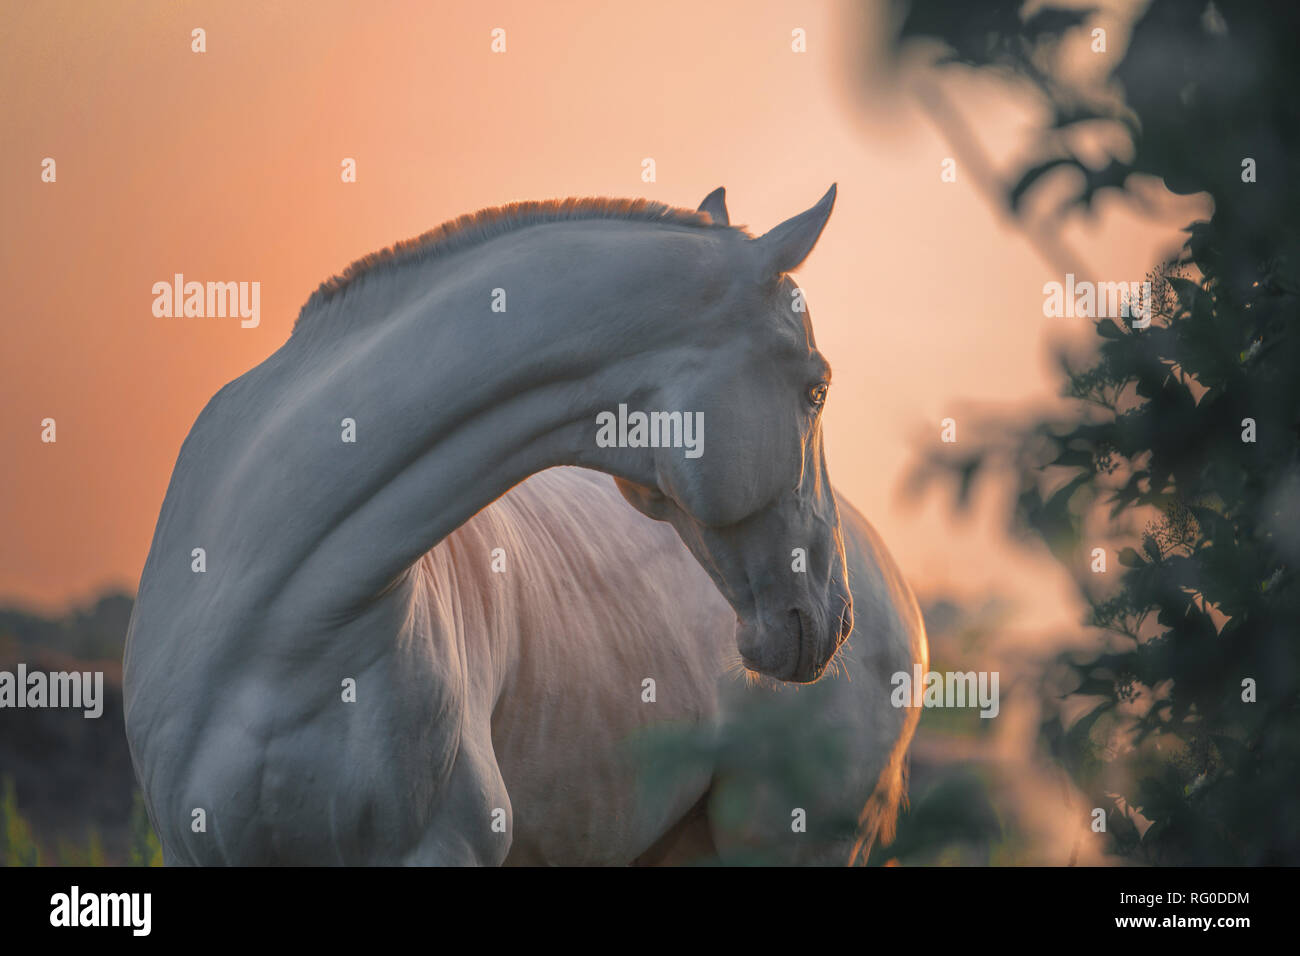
(476, 228)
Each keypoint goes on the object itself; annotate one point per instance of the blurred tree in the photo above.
(1185, 436)
(96, 631)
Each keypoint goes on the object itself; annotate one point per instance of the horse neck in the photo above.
(453, 404)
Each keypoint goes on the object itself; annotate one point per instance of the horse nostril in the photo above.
(846, 621)
(798, 635)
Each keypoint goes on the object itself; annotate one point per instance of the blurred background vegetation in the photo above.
(67, 791)
(1155, 721)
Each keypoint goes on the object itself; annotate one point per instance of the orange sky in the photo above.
(225, 166)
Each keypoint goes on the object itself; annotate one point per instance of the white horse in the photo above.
(354, 643)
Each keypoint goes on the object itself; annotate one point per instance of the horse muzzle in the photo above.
(795, 645)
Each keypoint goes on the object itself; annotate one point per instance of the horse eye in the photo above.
(817, 395)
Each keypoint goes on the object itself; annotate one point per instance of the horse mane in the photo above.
(475, 228)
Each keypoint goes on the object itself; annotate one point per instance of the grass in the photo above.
(19, 845)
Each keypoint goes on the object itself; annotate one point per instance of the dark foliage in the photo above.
(1206, 599)
(66, 781)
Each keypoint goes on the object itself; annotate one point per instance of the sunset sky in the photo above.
(225, 165)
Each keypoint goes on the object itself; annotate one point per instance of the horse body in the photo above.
(549, 658)
(345, 673)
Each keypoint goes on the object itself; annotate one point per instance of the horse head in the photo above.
(756, 507)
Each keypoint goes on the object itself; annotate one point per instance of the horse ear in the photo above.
(715, 204)
(785, 247)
